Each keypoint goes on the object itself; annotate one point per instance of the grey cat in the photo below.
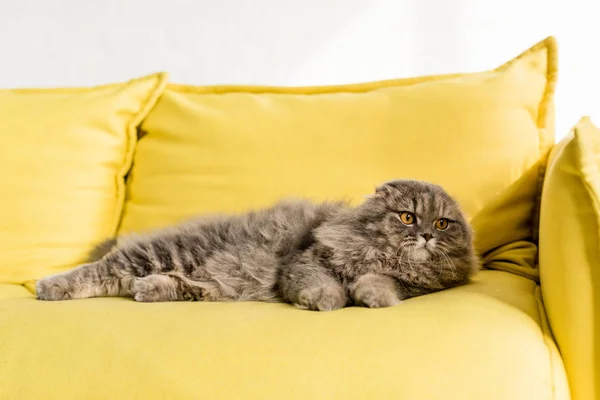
(408, 239)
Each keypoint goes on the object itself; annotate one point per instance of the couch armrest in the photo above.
(569, 255)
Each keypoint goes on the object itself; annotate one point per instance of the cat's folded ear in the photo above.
(395, 185)
(379, 190)
(384, 188)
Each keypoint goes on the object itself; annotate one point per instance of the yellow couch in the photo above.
(80, 165)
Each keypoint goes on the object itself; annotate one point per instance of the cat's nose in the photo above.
(427, 236)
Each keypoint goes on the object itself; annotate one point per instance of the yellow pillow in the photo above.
(483, 136)
(64, 154)
(570, 255)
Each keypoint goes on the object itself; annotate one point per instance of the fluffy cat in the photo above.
(408, 239)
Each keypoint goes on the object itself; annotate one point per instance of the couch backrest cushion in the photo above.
(483, 136)
(64, 154)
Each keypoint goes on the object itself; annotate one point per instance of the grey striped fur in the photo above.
(317, 256)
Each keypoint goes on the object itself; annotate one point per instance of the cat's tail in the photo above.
(101, 249)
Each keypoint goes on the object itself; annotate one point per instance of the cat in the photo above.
(409, 238)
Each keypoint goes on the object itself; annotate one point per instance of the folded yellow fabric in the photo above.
(483, 136)
(63, 156)
(570, 255)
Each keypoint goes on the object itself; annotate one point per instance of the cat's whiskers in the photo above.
(400, 263)
(449, 263)
(401, 250)
(439, 266)
(407, 258)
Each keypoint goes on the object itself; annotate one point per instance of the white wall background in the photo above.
(295, 42)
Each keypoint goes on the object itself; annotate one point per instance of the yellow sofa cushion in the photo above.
(483, 136)
(63, 156)
(488, 340)
(570, 254)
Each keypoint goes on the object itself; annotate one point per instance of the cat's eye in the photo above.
(407, 218)
(441, 224)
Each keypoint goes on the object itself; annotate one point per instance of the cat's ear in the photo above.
(383, 189)
(380, 191)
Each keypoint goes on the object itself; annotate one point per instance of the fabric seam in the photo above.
(546, 138)
(363, 87)
(149, 102)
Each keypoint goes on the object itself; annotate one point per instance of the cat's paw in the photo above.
(53, 288)
(375, 297)
(145, 290)
(322, 298)
(154, 288)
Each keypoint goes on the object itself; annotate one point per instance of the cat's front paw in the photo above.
(53, 288)
(322, 298)
(375, 297)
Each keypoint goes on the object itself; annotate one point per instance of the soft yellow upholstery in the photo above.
(63, 156)
(570, 255)
(486, 341)
(222, 149)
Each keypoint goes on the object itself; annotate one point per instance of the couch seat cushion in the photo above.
(487, 340)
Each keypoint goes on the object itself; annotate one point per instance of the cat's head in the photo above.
(418, 219)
